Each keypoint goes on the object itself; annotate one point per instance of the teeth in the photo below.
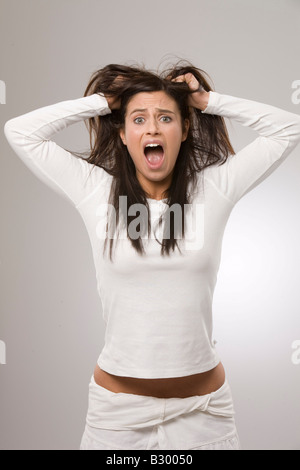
(152, 145)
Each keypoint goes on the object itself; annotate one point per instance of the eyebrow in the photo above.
(157, 109)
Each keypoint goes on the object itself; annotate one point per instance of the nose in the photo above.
(152, 126)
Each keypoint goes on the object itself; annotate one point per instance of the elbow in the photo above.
(9, 129)
(12, 131)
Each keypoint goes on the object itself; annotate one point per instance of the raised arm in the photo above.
(29, 136)
(279, 133)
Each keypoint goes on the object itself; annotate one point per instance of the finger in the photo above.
(180, 78)
(189, 79)
(119, 78)
(192, 82)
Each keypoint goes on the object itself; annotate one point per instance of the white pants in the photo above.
(124, 421)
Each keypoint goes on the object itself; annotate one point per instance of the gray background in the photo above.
(51, 319)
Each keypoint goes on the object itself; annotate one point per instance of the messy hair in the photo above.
(207, 142)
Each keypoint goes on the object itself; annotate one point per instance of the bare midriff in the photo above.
(174, 387)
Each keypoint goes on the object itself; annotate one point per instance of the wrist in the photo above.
(113, 102)
(204, 100)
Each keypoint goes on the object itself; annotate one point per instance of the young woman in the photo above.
(160, 159)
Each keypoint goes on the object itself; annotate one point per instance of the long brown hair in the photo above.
(207, 142)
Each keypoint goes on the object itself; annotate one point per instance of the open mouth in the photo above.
(154, 154)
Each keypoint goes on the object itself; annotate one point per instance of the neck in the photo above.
(156, 190)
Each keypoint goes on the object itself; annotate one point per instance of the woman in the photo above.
(158, 142)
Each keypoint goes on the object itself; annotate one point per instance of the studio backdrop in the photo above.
(51, 325)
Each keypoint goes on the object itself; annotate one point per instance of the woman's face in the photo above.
(153, 133)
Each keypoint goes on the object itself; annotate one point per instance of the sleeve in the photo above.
(279, 133)
(29, 136)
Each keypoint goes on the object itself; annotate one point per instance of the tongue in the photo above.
(154, 155)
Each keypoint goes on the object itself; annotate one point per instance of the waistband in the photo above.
(119, 411)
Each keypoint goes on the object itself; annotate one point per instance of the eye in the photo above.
(166, 119)
(138, 120)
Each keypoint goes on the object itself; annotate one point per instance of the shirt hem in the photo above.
(146, 374)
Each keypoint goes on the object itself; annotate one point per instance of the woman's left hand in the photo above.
(199, 98)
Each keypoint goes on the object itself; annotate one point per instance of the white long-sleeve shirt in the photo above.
(157, 310)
